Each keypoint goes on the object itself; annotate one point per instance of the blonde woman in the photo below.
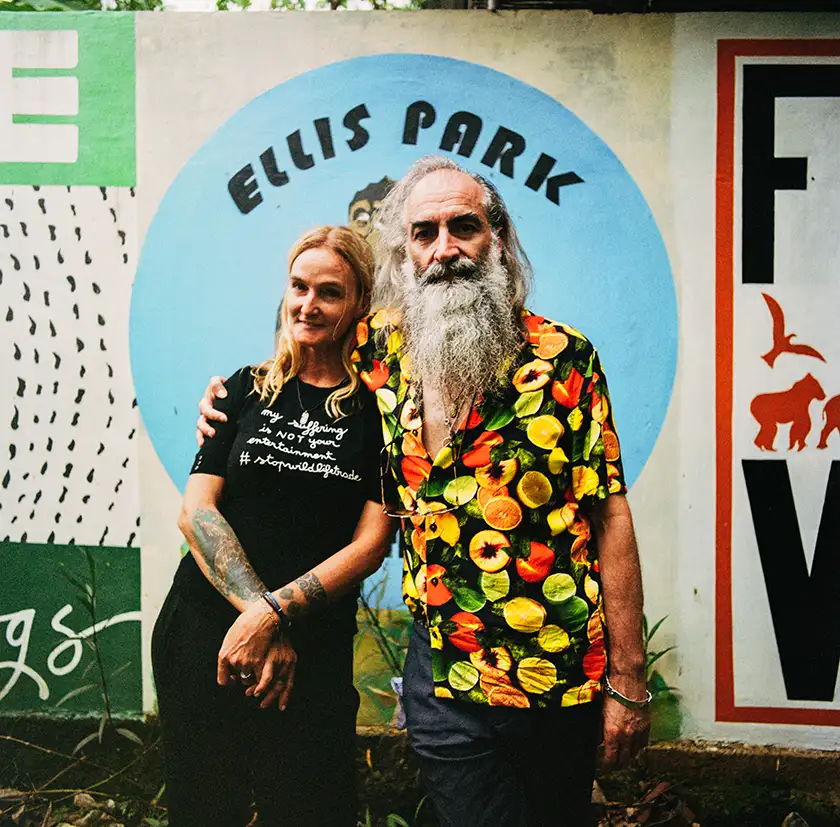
(253, 651)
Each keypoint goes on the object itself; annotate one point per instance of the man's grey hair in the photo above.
(393, 234)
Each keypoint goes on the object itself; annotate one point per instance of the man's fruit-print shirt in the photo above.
(501, 564)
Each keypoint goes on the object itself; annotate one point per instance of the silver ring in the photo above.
(246, 676)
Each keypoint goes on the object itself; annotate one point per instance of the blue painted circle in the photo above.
(210, 277)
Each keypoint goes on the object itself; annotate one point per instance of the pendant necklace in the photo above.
(304, 412)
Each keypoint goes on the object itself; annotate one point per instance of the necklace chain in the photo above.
(304, 412)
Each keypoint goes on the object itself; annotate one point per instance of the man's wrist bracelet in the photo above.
(282, 621)
(630, 703)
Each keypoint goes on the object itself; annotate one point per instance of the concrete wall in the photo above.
(664, 173)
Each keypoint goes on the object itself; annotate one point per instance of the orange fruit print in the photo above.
(503, 513)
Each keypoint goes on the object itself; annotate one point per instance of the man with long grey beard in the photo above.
(516, 535)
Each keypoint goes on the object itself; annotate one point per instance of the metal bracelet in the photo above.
(630, 703)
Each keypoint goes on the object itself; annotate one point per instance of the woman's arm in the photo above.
(321, 585)
(345, 569)
(214, 544)
(223, 562)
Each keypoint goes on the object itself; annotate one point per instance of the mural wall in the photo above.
(68, 235)
(688, 233)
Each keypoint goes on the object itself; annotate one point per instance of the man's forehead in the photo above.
(444, 192)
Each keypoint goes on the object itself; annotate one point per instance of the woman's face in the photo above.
(321, 299)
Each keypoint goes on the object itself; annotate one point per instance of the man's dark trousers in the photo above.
(496, 766)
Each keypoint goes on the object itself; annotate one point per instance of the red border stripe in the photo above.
(728, 52)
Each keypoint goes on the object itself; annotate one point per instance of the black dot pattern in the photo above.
(69, 468)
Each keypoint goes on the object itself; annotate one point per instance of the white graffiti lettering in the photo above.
(18, 636)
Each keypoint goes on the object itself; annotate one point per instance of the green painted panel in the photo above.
(99, 61)
(47, 633)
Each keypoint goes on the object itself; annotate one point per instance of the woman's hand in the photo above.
(246, 645)
(206, 412)
(277, 677)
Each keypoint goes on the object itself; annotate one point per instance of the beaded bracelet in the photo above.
(630, 703)
(283, 622)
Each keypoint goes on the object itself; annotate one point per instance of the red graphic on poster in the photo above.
(773, 409)
(782, 342)
(831, 415)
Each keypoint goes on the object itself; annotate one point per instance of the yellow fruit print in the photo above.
(557, 460)
(553, 639)
(536, 675)
(591, 588)
(561, 519)
(575, 419)
(408, 587)
(545, 431)
(443, 692)
(534, 489)
(614, 477)
(385, 317)
(581, 694)
(524, 614)
(395, 341)
(435, 637)
(444, 526)
(584, 481)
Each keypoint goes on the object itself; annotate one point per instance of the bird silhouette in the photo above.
(782, 342)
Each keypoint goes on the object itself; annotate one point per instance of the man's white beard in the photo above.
(459, 327)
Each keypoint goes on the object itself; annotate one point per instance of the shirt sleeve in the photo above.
(213, 455)
(597, 469)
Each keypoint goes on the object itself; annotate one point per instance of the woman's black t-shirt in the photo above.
(296, 481)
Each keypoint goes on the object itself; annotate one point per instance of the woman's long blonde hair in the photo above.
(271, 375)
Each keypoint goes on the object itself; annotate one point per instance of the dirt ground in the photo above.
(119, 782)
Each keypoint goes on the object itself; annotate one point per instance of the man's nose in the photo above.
(445, 247)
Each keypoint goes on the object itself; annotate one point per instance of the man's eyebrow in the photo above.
(467, 216)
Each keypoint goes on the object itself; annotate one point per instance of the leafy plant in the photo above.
(390, 631)
(86, 597)
(396, 820)
(665, 709)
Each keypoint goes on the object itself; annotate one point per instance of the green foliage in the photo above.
(49, 5)
(85, 587)
(390, 632)
(394, 819)
(666, 714)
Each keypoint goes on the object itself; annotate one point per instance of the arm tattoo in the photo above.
(230, 571)
(292, 607)
(312, 589)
